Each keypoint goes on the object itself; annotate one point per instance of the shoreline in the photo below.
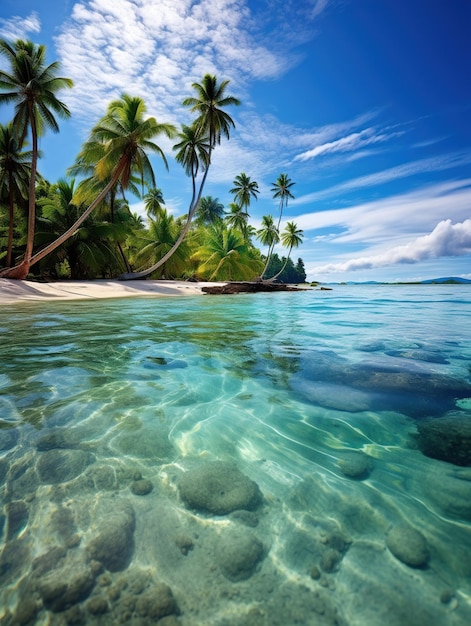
(15, 291)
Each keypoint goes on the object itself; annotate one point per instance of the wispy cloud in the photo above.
(446, 240)
(421, 166)
(400, 215)
(18, 27)
(354, 141)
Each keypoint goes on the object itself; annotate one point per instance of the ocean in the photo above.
(241, 460)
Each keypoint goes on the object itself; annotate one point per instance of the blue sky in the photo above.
(365, 104)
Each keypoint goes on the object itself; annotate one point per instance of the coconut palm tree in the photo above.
(225, 255)
(15, 172)
(31, 86)
(209, 210)
(244, 190)
(197, 143)
(268, 235)
(237, 218)
(127, 135)
(291, 238)
(281, 189)
(158, 240)
(154, 202)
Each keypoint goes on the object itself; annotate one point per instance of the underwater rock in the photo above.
(238, 553)
(156, 602)
(58, 439)
(4, 466)
(62, 588)
(48, 561)
(451, 493)
(141, 487)
(97, 605)
(404, 385)
(8, 438)
(149, 444)
(355, 465)
(408, 545)
(14, 558)
(59, 466)
(17, 517)
(446, 438)
(220, 488)
(114, 545)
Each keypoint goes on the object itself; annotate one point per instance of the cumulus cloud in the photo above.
(18, 27)
(446, 240)
(157, 50)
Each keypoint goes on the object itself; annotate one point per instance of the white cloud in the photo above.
(400, 215)
(353, 141)
(446, 240)
(157, 50)
(421, 166)
(18, 27)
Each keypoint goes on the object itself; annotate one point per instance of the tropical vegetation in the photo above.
(81, 226)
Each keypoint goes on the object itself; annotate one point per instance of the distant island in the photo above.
(447, 280)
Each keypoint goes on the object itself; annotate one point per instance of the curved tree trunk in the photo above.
(21, 271)
(193, 206)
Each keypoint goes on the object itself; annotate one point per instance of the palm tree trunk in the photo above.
(193, 206)
(282, 269)
(21, 270)
(11, 213)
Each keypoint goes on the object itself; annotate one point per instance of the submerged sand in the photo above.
(13, 291)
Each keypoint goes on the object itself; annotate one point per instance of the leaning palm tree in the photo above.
(196, 146)
(31, 87)
(15, 172)
(281, 189)
(244, 190)
(268, 235)
(127, 135)
(291, 238)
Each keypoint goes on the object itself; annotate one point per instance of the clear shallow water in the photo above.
(296, 390)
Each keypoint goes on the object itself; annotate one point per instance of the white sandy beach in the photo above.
(13, 291)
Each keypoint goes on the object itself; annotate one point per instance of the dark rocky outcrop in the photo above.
(248, 287)
(446, 438)
(114, 545)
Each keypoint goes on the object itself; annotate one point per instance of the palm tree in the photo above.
(225, 255)
(269, 236)
(126, 134)
(197, 143)
(282, 191)
(209, 210)
(31, 86)
(154, 202)
(15, 172)
(161, 237)
(291, 238)
(244, 190)
(237, 218)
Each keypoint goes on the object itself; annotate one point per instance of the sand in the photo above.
(14, 291)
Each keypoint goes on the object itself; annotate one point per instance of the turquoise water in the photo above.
(314, 396)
